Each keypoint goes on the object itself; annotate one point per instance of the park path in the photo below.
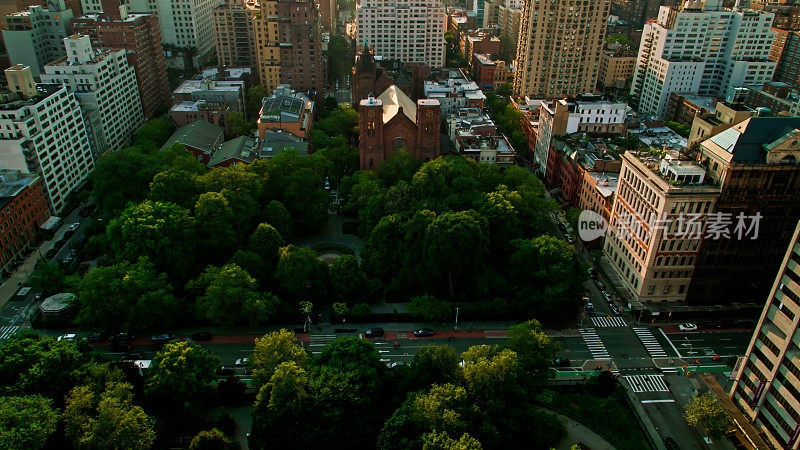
(578, 432)
(333, 234)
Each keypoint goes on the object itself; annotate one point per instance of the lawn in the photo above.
(609, 417)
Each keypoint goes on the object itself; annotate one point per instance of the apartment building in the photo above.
(482, 70)
(42, 132)
(475, 136)
(103, 82)
(23, 208)
(186, 25)
(756, 165)
(140, 35)
(480, 42)
(33, 36)
(289, 48)
(234, 26)
(559, 47)
(651, 243)
(725, 115)
(767, 388)
(212, 90)
(286, 110)
(779, 98)
(585, 113)
(454, 91)
(785, 52)
(509, 18)
(703, 49)
(410, 31)
(787, 13)
(616, 69)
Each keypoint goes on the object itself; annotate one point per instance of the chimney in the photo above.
(20, 80)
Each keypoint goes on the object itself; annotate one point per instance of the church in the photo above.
(393, 121)
(374, 74)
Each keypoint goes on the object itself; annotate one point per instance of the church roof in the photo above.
(393, 99)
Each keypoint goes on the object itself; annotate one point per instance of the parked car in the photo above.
(570, 239)
(71, 337)
(226, 371)
(609, 298)
(687, 327)
(424, 332)
(68, 259)
(95, 338)
(132, 356)
(121, 342)
(74, 227)
(614, 310)
(561, 362)
(600, 285)
(37, 296)
(589, 306)
(202, 336)
(241, 362)
(374, 332)
(159, 340)
(593, 272)
(392, 365)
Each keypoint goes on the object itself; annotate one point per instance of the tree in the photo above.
(284, 410)
(154, 133)
(164, 232)
(490, 373)
(254, 98)
(175, 186)
(348, 282)
(134, 165)
(230, 296)
(506, 48)
(266, 241)
(212, 440)
(273, 349)
(456, 242)
(340, 309)
(33, 364)
(357, 357)
(343, 158)
(26, 422)
(130, 296)
(442, 441)
(534, 348)
(215, 221)
(180, 373)
(238, 125)
(48, 278)
(707, 415)
(306, 200)
(278, 216)
(300, 274)
(429, 307)
(399, 166)
(436, 364)
(107, 420)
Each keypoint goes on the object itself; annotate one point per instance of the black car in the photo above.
(159, 340)
(374, 332)
(121, 342)
(670, 444)
(424, 332)
(95, 338)
(132, 356)
(202, 336)
(561, 362)
(225, 371)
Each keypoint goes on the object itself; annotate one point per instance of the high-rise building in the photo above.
(185, 24)
(234, 24)
(42, 131)
(141, 36)
(786, 53)
(33, 36)
(12, 6)
(289, 48)
(509, 18)
(702, 49)
(650, 245)
(328, 14)
(410, 31)
(104, 84)
(559, 47)
(767, 388)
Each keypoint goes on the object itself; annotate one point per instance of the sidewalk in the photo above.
(578, 432)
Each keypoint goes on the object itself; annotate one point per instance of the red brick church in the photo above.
(393, 121)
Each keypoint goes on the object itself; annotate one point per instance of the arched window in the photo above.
(399, 143)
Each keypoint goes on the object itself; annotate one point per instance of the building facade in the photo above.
(234, 27)
(140, 35)
(709, 123)
(102, 81)
(410, 31)
(779, 98)
(559, 47)
(785, 52)
(23, 208)
(393, 121)
(33, 36)
(709, 51)
(42, 132)
(767, 387)
(483, 69)
(616, 70)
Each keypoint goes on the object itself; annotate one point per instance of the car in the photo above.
(71, 337)
(424, 332)
(241, 362)
(570, 240)
(68, 259)
(392, 365)
(202, 336)
(95, 338)
(670, 444)
(132, 356)
(374, 332)
(74, 227)
(615, 310)
(593, 272)
(37, 296)
(609, 298)
(687, 327)
(226, 371)
(159, 340)
(327, 184)
(600, 285)
(121, 342)
(589, 306)
(561, 362)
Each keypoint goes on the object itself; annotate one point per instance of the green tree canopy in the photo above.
(229, 295)
(300, 274)
(174, 186)
(26, 422)
(273, 349)
(533, 347)
(180, 373)
(278, 216)
(212, 439)
(704, 412)
(348, 282)
(455, 244)
(266, 241)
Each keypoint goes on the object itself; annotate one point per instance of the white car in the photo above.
(687, 327)
(71, 337)
(608, 297)
(241, 362)
(589, 306)
(74, 227)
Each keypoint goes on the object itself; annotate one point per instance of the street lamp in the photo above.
(457, 317)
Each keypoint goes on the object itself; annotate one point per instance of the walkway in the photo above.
(332, 234)
(578, 432)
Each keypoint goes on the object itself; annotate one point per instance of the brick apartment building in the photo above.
(23, 207)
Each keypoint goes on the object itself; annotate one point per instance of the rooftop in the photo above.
(605, 183)
(199, 134)
(105, 18)
(232, 72)
(660, 137)
(12, 182)
(248, 149)
(484, 59)
(207, 84)
(749, 140)
(10, 101)
(394, 101)
(284, 105)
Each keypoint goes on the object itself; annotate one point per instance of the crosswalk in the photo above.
(603, 322)
(8, 331)
(596, 346)
(646, 383)
(316, 342)
(650, 343)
